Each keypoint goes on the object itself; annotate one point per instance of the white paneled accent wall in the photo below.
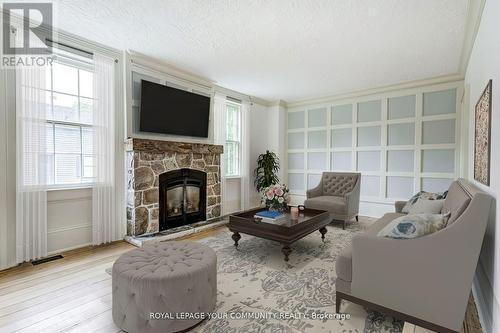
(402, 142)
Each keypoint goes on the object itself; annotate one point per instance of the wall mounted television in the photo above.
(168, 110)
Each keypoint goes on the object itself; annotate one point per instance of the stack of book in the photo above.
(270, 216)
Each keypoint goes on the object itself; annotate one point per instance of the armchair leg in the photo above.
(338, 301)
(357, 218)
(343, 225)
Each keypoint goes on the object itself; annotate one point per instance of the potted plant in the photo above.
(266, 171)
(275, 197)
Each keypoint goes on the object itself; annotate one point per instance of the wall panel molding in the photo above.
(70, 228)
(375, 137)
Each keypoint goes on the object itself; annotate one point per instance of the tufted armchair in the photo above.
(337, 193)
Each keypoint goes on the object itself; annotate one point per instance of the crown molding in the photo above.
(378, 90)
(69, 39)
(280, 103)
(260, 101)
(241, 96)
(142, 60)
(148, 62)
(474, 13)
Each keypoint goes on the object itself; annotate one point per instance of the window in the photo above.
(70, 133)
(233, 140)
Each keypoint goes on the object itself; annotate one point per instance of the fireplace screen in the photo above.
(192, 199)
(175, 201)
(182, 198)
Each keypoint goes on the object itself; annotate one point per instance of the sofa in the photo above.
(425, 281)
(337, 193)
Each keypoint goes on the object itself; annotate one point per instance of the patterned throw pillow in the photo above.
(414, 226)
(425, 206)
(423, 195)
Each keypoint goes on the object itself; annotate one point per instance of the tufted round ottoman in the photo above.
(155, 286)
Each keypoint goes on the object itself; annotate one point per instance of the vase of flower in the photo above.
(275, 197)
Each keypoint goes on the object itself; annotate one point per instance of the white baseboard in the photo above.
(60, 251)
(486, 302)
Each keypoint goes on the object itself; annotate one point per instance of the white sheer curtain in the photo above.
(220, 139)
(104, 224)
(31, 173)
(246, 108)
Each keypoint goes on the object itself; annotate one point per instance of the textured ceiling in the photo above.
(282, 49)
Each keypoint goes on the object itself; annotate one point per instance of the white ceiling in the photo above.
(282, 49)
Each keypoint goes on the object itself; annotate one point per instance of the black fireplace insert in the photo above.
(183, 196)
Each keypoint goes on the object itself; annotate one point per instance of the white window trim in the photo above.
(239, 143)
(84, 64)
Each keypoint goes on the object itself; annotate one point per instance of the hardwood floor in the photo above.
(73, 294)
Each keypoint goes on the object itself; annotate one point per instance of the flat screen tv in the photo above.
(173, 111)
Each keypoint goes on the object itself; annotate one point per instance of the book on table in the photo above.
(270, 216)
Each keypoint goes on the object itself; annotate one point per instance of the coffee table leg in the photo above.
(286, 250)
(323, 232)
(236, 237)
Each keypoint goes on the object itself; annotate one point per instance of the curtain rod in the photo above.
(232, 99)
(85, 53)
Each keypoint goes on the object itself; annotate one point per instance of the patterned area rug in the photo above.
(255, 279)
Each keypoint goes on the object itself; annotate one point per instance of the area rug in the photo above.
(269, 295)
(258, 292)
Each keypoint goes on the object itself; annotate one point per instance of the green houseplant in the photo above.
(268, 165)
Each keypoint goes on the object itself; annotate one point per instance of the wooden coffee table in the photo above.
(286, 231)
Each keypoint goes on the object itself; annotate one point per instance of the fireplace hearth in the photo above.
(182, 198)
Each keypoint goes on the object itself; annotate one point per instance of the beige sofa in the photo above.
(337, 193)
(425, 281)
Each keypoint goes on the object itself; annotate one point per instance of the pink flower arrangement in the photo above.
(275, 197)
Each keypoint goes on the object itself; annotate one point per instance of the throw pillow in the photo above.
(426, 206)
(413, 226)
(423, 195)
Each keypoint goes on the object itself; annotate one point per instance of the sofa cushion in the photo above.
(343, 264)
(338, 184)
(336, 205)
(456, 202)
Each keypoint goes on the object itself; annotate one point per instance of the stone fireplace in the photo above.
(193, 172)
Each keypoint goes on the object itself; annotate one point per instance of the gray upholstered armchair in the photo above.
(337, 193)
